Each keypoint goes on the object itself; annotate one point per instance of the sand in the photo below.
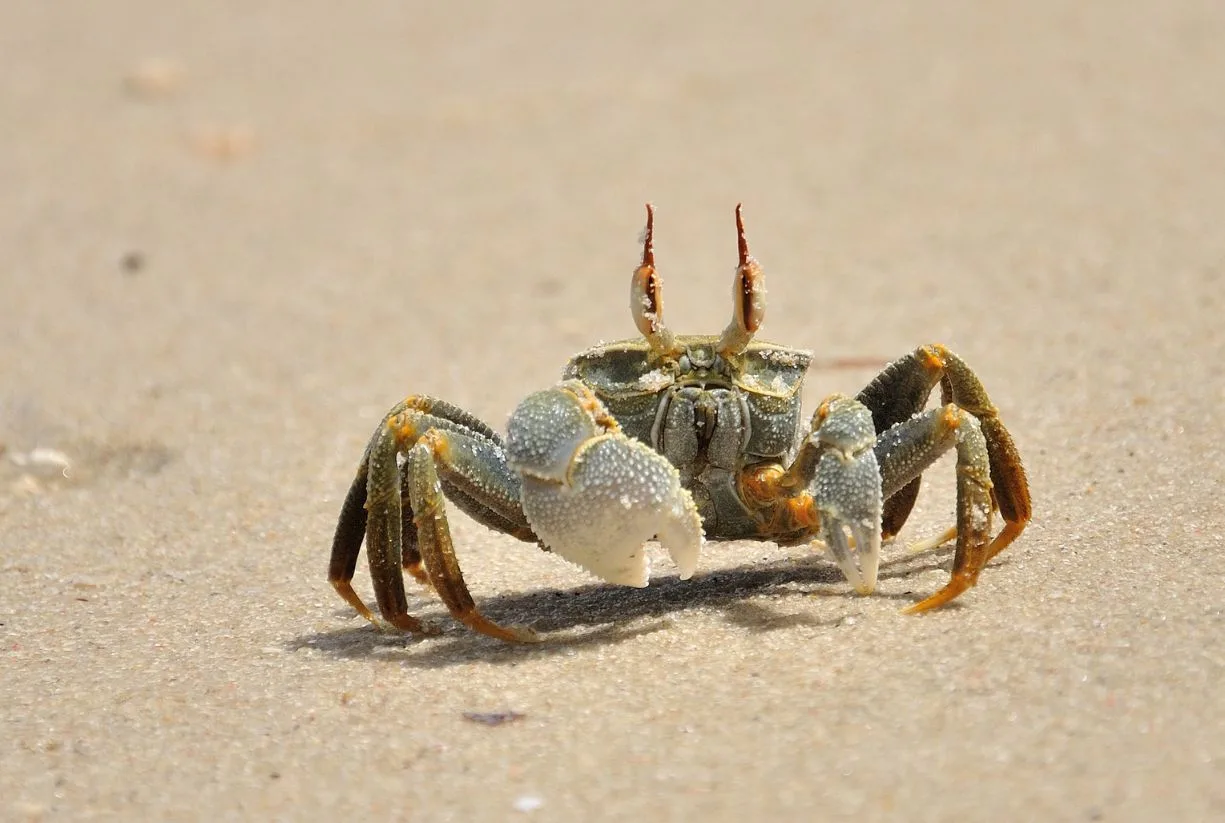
(233, 235)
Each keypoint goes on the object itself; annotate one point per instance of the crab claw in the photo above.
(847, 490)
(594, 495)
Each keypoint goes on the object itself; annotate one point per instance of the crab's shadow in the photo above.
(603, 614)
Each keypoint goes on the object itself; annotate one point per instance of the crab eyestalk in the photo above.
(646, 300)
(748, 298)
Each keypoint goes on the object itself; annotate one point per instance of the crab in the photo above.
(679, 439)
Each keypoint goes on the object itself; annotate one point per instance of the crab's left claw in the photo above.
(594, 495)
(847, 489)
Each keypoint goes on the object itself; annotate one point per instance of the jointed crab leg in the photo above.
(351, 527)
(566, 477)
(902, 389)
(434, 536)
(822, 492)
(843, 470)
(435, 436)
(1010, 492)
(896, 394)
(347, 542)
(908, 448)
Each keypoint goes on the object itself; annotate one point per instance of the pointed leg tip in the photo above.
(512, 634)
(928, 604)
(406, 624)
(518, 634)
(937, 600)
(956, 587)
(417, 570)
(931, 543)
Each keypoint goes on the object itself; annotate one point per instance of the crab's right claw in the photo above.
(594, 495)
(847, 490)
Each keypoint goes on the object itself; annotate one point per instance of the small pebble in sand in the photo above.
(493, 718)
(43, 457)
(223, 142)
(528, 803)
(153, 78)
(132, 262)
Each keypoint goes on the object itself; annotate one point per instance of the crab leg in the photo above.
(1010, 492)
(896, 394)
(910, 447)
(821, 490)
(347, 542)
(351, 526)
(434, 536)
(901, 391)
(381, 505)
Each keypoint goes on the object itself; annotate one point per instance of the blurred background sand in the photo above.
(233, 234)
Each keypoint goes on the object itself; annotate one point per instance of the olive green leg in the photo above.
(1010, 492)
(351, 525)
(902, 389)
(380, 507)
(897, 394)
(351, 531)
(907, 449)
(347, 542)
(434, 536)
(384, 525)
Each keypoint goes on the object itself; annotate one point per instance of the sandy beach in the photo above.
(233, 235)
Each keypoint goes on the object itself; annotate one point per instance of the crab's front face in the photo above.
(646, 391)
(702, 401)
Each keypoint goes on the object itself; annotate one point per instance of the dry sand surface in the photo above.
(233, 234)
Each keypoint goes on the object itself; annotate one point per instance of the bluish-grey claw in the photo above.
(594, 495)
(847, 491)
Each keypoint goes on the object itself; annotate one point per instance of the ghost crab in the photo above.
(679, 438)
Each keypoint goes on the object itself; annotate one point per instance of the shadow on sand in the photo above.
(603, 614)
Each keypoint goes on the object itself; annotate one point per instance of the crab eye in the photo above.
(750, 308)
(748, 298)
(645, 301)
